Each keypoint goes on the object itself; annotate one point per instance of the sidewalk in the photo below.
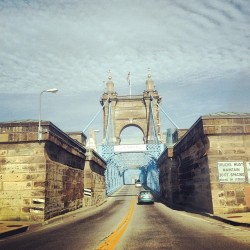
(8, 228)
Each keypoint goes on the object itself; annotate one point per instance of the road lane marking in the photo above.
(113, 239)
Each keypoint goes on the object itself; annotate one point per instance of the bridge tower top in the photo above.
(131, 110)
(110, 84)
(149, 82)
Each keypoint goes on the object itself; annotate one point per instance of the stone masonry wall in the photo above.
(229, 140)
(94, 179)
(64, 183)
(38, 180)
(193, 171)
(22, 181)
(210, 165)
(168, 176)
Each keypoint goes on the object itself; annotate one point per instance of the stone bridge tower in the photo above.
(131, 110)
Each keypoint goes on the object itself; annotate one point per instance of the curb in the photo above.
(216, 217)
(230, 222)
(14, 231)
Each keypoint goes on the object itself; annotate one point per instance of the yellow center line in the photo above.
(113, 239)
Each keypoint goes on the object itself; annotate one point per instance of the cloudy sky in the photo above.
(198, 52)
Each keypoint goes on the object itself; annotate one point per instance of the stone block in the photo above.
(247, 128)
(37, 216)
(10, 185)
(26, 201)
(10, 213)
(216, 121)
(38, 184)
(37, 193)
(7, 202)
(3, 152)
(18, 168)
(232, 129)
(4, 137)
(212, 129)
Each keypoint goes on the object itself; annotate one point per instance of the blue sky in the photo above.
(198, 52)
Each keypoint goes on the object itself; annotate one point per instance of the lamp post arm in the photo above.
(54, 90)
(39, 121)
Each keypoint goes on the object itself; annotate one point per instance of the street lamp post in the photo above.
(40, 111)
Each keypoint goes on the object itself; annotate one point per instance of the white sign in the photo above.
(248, 170)
(130, 148)
(231, 171)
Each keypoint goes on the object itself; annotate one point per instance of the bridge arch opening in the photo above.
(131, 134)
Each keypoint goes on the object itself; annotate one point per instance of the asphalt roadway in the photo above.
(10, 228)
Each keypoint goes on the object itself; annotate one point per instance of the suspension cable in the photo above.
(165, 113)
(96, 115)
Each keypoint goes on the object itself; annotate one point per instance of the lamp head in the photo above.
(52, 90)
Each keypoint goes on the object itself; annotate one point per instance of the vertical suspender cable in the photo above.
(152, 117)
(108, 125)
(166, 114)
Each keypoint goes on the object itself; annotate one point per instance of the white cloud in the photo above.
(191, 47)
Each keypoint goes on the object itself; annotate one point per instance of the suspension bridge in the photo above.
(128, 163)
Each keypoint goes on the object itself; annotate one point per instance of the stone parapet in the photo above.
(178, 134)
(78, 136)
(24, 131)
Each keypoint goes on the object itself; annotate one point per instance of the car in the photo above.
(145, 196)
(138, 183)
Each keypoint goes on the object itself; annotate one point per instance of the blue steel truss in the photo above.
(125, 168)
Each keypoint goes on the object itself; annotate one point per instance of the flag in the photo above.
(128, 78)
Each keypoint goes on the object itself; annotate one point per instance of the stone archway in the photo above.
(130, 134)
(130, 110)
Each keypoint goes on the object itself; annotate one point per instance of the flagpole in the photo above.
(129, 83)
(130, 87)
